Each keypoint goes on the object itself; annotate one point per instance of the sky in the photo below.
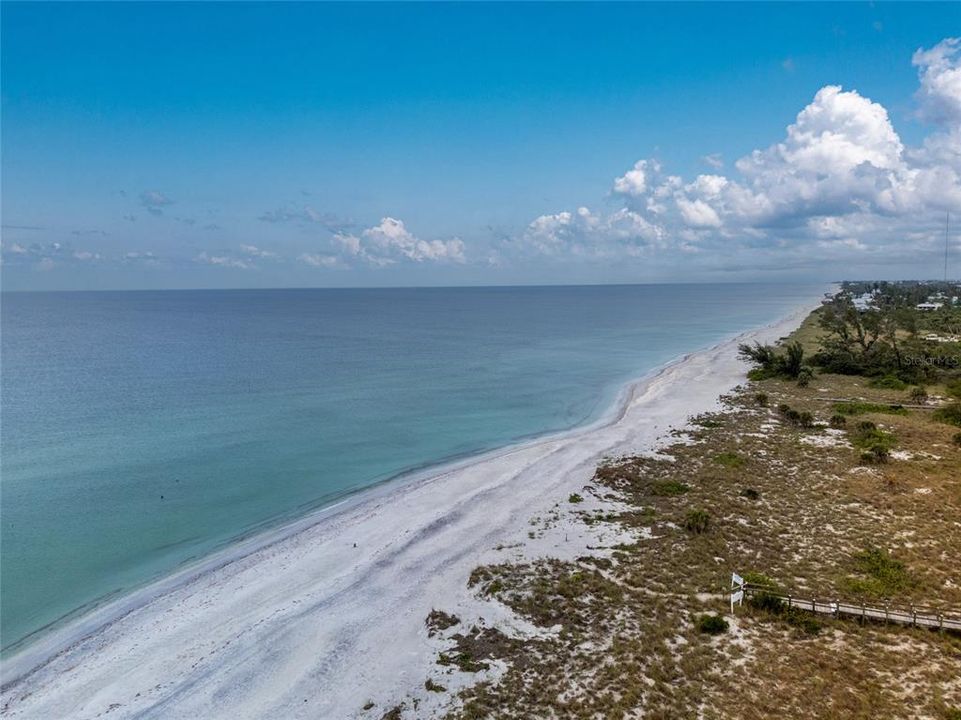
(174, 145)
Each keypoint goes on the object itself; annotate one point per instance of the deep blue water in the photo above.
(143, 429)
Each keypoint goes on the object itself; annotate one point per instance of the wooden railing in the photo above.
(914, 615)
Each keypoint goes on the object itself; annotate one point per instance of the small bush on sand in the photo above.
(750, 494)
(950, 414)
(881, 575)
(437, 621)
(697, 521)
(668, 488)
(919, 394)
(876, 455)
(802, 419)
(431, 686)
(956, 439)
(889, 382)
(760, 580)
(767, 602)
(875, 444)
(805, 377)
(730, 460)
(838, 420)
(712, 624)
(761, 399)
(802, 620)
(575, 498)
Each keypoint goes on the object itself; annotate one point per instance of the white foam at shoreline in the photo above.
(298, 622)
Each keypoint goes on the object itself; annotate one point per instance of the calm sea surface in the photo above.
(144, 429)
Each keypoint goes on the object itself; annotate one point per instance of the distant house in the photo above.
(864, 303)
(934, 337)
(929, 306)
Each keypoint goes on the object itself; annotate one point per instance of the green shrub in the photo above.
(771, 603)
(875, 455)
(867, 436)
(889, 382)
(783, 408)
(954, 388)
(768, 602)
(838, 420)
(706, 421)
(669, 488)
(802, 419)
(697, 521)
(431, 686)
(575, 498)
(760, 580)
(950, 414)
(805, 377)
(752, 494)
(793, 363)
(803, 620)
(881, 574)
(730, 460)
(769, 363)
(956, 439)
(761, 399)
(712, 624)
(919, 394)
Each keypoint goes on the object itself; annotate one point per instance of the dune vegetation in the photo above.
(827, 475)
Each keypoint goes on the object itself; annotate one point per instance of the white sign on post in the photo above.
(737, 590)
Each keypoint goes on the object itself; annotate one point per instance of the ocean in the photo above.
(142, 430)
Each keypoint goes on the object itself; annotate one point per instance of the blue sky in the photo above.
(232, 145)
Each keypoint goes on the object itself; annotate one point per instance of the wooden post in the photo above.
(862, 614)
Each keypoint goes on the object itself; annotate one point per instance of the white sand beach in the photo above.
(320, 617)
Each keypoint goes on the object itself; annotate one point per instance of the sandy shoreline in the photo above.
(301, 622)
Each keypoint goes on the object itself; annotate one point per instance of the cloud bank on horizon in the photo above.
(841, 186)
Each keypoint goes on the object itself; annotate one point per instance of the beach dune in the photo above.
(325, 615)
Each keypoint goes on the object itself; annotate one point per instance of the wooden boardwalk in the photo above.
(914, 616)
(889, 405)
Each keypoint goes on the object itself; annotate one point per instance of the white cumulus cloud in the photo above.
(390, 241)
(223, 261)
(841, 180)
(319, 260)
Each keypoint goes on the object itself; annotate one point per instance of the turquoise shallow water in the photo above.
(141, 430)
